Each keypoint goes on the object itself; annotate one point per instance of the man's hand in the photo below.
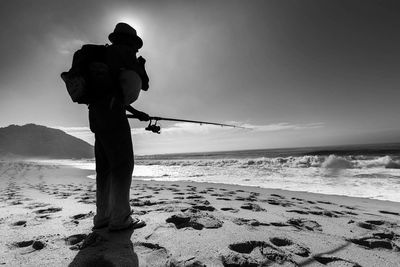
(142, 116)
(138, 114)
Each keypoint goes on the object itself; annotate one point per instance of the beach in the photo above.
(46, 211)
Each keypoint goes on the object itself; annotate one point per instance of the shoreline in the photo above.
(187, 222)
(313, 180)
(266, 188)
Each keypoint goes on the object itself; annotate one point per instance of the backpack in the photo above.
(89, 77)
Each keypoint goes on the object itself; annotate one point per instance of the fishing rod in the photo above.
(153, 127)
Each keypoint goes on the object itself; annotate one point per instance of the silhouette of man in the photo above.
(113, 143)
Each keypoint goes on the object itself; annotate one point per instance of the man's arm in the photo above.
(142, 116)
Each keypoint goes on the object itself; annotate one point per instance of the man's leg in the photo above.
(103, 184)
(120, 195)
(121, 182)
(119, 151)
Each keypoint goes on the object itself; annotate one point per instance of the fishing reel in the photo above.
(153, 127)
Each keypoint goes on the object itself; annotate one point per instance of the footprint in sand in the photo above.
(233, 210)
(300, 200)
(254, 194)
(304, 224)
(366, 225)
(46, 216)
(252, 206)
(375, 224)
(325, 202)
(279, 224)
(298, 211)
(87, 199)
(224, 198)
(19, 223)
(249, 222)
(278, 202)
(256, 253)
(230, 193)
(389, 212)
(196, 220)
(48, 210)
(199, 201)
(150, 254)
(23, 244)
(191, 262)
(141, 203)
(203, 207)
(249, 198)
(335, 261)
(36, 244)
(82, 216)
(192, 188)
(64, 195)
(169, 208)
(326, 213)
(290, 246)
(385, 240)
(194, 197)
(78, 217)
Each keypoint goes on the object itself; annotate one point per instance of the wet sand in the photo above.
(46, 213)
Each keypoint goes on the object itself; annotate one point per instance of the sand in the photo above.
(46, 213)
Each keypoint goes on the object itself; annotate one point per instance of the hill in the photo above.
(33, 140)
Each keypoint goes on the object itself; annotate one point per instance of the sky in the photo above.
(297, 73)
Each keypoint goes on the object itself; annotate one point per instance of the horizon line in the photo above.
(275, 148)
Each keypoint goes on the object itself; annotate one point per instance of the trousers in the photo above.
(114, 168)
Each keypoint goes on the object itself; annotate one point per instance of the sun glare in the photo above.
(130, 19)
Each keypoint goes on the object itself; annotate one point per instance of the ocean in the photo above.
(371, 171)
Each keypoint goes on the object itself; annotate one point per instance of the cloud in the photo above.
(67, 47)
(283, 126)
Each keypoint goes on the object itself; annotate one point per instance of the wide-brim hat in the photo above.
(124, 33)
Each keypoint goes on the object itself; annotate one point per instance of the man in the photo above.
(113, 144)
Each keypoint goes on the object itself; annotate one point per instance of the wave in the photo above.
(376, 176)
(308, 161)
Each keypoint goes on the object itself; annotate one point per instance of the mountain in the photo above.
(33, 140)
